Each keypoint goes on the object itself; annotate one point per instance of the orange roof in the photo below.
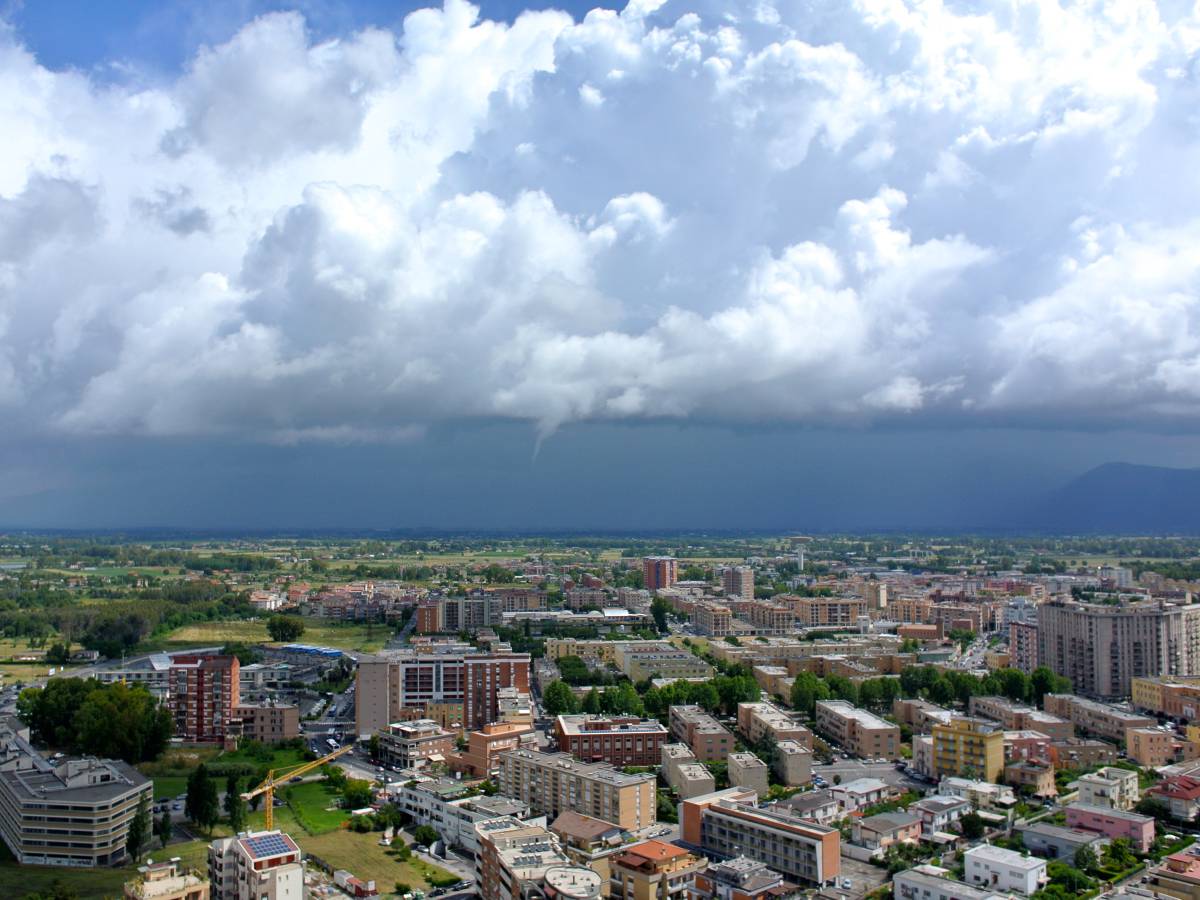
(654, 851)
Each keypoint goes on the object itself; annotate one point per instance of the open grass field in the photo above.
(167, 787)
(362, 855)
(368, 638)
(315, 806)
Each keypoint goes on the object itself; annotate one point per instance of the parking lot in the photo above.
(863, 877)
(850, 769)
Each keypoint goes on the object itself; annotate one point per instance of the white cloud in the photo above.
(677, 210)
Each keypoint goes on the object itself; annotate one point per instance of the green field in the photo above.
(314, 806)
(366, 637)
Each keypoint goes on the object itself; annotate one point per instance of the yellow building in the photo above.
(968, 748)
(654, 870)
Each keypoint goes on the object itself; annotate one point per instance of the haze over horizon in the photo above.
(691, 264)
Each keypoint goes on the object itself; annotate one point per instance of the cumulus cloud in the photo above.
(974, 212)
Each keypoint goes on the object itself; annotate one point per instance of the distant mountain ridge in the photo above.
(1122, 498)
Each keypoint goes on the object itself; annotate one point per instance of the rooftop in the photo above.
(265, 844)
(1005, 857)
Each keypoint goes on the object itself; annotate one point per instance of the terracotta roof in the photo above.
(581, 826)
(1182, 788)
(653, 851)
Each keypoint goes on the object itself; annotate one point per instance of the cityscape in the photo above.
(600, 449)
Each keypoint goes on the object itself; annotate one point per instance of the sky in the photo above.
(760, 264)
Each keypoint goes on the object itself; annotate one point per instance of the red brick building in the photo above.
(619, 740)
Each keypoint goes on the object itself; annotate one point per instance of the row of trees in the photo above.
(85, 716)
(719, 695)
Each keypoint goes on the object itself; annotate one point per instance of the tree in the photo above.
(425, 834)
(1119, 854)
(235, 806)
(972, 826)
(202, 806)
(807, 690)
(285, 628)
(558, 699)
(1043, 681)
(58, 654)
(373, 747)
(1068, 877)
(139, 829)
(1085, 860)
(91, 718)
(659, 608)
(163, 829)
(591, 702)
(356, 793)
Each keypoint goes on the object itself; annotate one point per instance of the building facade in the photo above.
(257, 865)
(617, 740)
(968, 748)
(554, 783)
(862, 733)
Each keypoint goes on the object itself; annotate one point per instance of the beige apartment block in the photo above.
(707, 738)
(792, 763)
(748, 771)
(553, 783)
(860, 732)
(762, 720)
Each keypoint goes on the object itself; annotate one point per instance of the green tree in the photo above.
(163, 829)
(659, 608)
(58, 654)
(139, 829)
(1085, 860)
(972, 826)
(373, 746)
(807, 690)
(235, 806)
(1043, 681)
(285, 628)
(425, 834)
(202, 806)
(591, 702)
(558, 699)
(356, 793)
(1119, 854)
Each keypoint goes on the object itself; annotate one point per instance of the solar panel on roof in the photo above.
(267, 845)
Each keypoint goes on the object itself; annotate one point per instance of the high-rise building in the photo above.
(454, 689)
(875, 593)
(201, 694)
(553, 783)
(659, 572)
(1102, 648)
(1023, 646)
(738, 581)
(256, 865)
(968, 748)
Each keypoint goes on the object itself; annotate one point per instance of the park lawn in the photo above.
(281, 758)
(314, 804)
(168, 787)
(316, 631)
(362, 855)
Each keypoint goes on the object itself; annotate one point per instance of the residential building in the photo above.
(416, 744)
(1151, 747)
(707, 738)
(455, 689)
(712, 619)
(738, 581)
(729, 824)
(1015, 716)
(71, 813)
(484, 746)
(792, 763)
(1032, 777)
(1111, 787)
(201, 694)
(968, 748)
(1102, 648)
(267, 723)
(920, 715)
(748, 771)
(1094, 718)
(875, 593)
(814, 806)
(1178, 876)
(641, 664)
(1113, 823)
(518, 859)
(619, 740)
(982, 794)
(1056, 842)
(858, 731)
(739, 878)
(659, 572)
(933, 883)
(1004, 871)
(765, 721)
(166, 881)
(654, 870)
(1081, 753)
(1181, 794)
(256, 865)
(1023, 646)
(922, 758)
(860, 793)
(1026, 745)
(1177, 697)
(881, 831)
(453, 810)
(937, 815)
(553, 783)
(824, 612)
(590, 842)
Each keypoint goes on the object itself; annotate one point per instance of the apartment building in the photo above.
(1095, 718)
(982, 794)
(938, 814)
(968, 748)
(1102, 648)
(590, 842)
(1033, 776)
(704, 735)
(1181, 794)
(792, 763)
(738, 581)
(1151, 747)
(201, 694)
(740, 878)
(455, 689)
(1178, 876)
(618, 740)
(256, 865)
(166, 881)
(553, 783)
(1026, 745)
(1018, 716)
(748, 771)
(450, 808)
(933, 883)
(1004, 871)
(659, 572)
(858, 731)
(824, 612)
(684, 773)
(484, 746)
(1056, 842)
(640, 665)
(875, 595)
(1110, 787)
(1023, 646)
(654, 870)
(712, 619)
(1113, 823)
(765, 721)
(267, 723)
(919, 715)
(518, 859)
(729, 824)
(1176, 697)
(71, 813)
(415, 744)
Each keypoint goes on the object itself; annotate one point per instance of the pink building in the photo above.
(1026, 745)
(1113, 823)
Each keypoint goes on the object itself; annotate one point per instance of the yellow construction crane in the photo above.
(268, 786)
